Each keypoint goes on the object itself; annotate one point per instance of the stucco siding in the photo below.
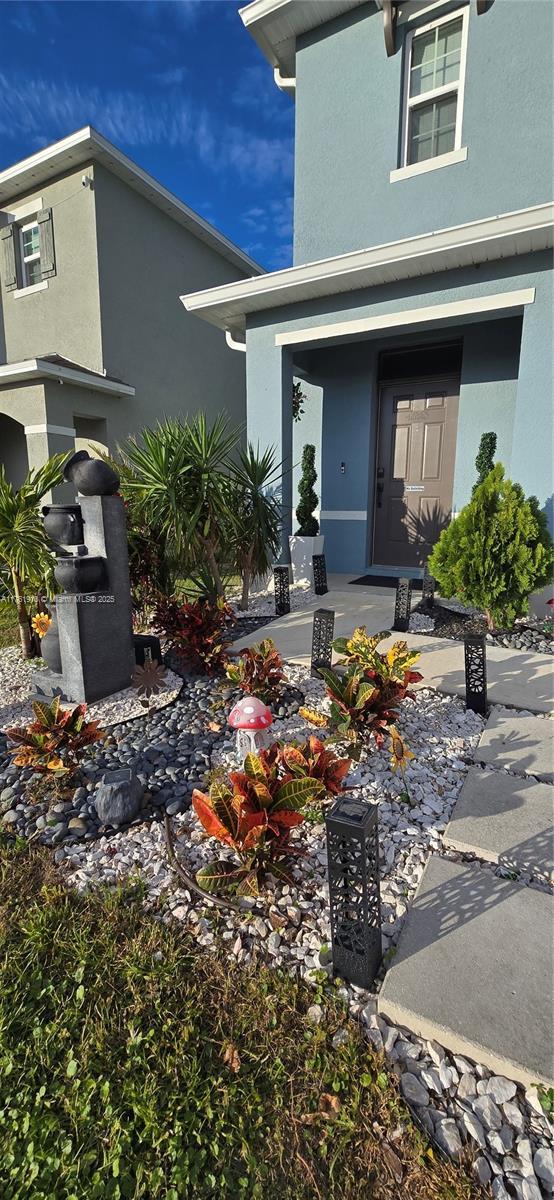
(176, 362)
(65, 317)
(348, 130)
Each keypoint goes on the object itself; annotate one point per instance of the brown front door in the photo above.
(415, 468)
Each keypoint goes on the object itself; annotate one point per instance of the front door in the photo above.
(415, 468)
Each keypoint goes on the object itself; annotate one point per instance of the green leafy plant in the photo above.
(395, 666)
(197, 632)
(496, 552)
(24, 549)
(256, 512)
(56, 738)
(312, 759)
(298, 398)
(308, 526)
(253, 814)
(484, 461)
(258, 671)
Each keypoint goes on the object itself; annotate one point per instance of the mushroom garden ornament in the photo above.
(251, 718)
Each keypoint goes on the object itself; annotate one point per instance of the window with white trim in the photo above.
(29, 244)
(433, 87)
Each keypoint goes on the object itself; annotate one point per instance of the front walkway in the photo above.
(516, 678)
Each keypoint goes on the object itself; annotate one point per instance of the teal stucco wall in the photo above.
(348, 120)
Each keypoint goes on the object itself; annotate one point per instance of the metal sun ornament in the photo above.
(148, 680)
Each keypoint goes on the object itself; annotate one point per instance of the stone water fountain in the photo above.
(89, 647)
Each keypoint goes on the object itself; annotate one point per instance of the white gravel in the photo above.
(16, 688)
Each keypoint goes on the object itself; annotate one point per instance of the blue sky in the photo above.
(179, 85)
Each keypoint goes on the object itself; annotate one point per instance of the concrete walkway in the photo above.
(474, 967)
(515, 677)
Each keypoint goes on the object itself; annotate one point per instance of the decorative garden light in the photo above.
(402, 605)
(282, 590)
(476, 672)
(322, 639)
(251, 718)
(427, 590)
(319, 571)
(354, 898)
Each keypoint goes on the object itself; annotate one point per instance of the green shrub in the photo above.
(496, 552)
(485, 457)
(308, 526)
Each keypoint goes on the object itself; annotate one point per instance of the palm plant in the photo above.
(24, 550)
(178, 483)
(257, 514)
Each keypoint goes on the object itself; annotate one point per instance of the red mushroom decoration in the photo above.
(251, 718)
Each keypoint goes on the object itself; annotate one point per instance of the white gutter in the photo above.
(232, 343)
(285, 84)
(489, 238)
(40, 368)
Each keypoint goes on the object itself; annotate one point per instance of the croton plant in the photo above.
(55, 739)
(256, 809)
(197, 632)
(365, 700)
(258, 671)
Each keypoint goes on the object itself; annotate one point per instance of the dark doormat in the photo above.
(389, 581)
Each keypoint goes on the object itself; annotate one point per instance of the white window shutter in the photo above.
(46, 238)
(9, 269)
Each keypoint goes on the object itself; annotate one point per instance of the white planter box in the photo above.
(301, 551)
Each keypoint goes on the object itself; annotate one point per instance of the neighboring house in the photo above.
(419, 307)
(93, 346)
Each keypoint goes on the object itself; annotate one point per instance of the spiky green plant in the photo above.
(257, 514)
(24, 550)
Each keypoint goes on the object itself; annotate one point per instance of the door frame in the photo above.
(443, 377)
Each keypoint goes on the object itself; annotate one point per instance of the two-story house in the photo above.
(418, 310)
(93, 346)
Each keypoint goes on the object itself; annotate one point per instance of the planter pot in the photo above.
(50, 645)
(64, 523)
(81, 573)
(91, 476)
(301, 551)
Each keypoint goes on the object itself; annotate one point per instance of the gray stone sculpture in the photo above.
(118, 797)
(94, 611)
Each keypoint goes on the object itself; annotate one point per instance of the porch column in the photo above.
(44, 440)
(269, 379)
(531, 463)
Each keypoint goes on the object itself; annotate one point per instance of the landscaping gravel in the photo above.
(459, 1103)
(451, 619)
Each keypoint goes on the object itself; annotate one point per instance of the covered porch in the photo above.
(406, 353)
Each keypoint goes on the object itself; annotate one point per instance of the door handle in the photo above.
(380, 490)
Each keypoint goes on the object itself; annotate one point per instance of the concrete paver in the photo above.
(518, 743)
(473, 970)
(507, 820)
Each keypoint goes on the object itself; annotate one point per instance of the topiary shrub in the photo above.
(308, 524)
(496, 552)
(485, 457)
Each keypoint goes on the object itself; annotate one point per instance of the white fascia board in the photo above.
(30, 173)
(422, 254)
(38, 368)
(411, 316)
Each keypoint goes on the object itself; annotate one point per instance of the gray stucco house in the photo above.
(418, 311)
(93, 346)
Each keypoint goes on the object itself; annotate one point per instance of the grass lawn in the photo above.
(134, 1065)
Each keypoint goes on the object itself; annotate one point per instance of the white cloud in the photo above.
(173, 75)
(43, 111)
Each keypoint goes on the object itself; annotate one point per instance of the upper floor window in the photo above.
(29, 242)
(433, 100)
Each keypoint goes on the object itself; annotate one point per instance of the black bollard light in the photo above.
(282, 590)
(354, 896)
(322, 639)
(475, 656)
(402, 605)
(427, 590)
(319, 571)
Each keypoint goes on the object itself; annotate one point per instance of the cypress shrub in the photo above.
(485, 457)
(496, 552)
(308, 525)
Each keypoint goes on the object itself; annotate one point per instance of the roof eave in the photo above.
(514, 233)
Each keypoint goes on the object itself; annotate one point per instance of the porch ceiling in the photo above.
(480, 241)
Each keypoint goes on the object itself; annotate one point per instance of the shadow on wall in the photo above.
(14, 450)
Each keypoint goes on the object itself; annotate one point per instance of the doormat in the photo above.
(389, 581)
